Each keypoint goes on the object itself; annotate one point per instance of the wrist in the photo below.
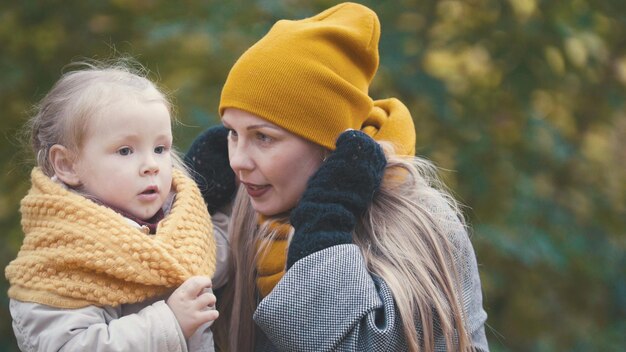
(182, 327)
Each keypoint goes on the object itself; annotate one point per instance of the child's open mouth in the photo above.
(150, 193)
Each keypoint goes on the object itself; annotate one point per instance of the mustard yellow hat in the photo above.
(311, 77)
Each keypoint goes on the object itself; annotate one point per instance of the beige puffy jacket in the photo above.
(146, 326)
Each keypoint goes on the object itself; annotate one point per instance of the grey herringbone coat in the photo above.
(328, 301)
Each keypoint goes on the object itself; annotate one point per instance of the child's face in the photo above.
(125, 161)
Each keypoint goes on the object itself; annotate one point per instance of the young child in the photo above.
(112, 225)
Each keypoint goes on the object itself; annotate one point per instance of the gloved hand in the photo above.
(337, 195)
(208, 159)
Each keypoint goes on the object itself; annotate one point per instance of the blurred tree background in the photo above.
(521, 102)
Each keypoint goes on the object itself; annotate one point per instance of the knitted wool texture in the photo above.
(208, 158)
(327, 213)
(270, 263)
(77, 253)
(336, 196)
(311, 77)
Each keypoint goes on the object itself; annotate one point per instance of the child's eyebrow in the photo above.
(135, 136)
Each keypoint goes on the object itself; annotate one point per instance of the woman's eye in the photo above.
(124, 151)
(263, 137)
(232, 134)
(159, 150)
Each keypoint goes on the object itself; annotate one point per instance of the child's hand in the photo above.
(191, 305)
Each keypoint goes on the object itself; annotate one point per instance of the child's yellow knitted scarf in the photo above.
(78, 253)
(271, 261)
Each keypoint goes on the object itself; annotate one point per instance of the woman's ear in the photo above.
(64, 165)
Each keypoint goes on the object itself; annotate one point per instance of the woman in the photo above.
(334, 245)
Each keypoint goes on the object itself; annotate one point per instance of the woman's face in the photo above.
(273, 164)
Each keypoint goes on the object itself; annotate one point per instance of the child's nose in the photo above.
(150, 166)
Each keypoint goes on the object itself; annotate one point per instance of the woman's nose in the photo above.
(239, 157)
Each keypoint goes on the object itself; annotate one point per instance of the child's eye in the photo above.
(160, 149)
(232, 133)
(124, 151)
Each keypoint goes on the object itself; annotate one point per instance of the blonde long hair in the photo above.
(404, 238)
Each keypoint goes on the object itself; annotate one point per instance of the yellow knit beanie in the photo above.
(311, 77)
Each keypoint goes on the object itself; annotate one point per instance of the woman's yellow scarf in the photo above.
(78, 253)
(272, 258)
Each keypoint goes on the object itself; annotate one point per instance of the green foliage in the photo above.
(524, 100)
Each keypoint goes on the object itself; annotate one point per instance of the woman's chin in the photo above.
(266, 213)
(270, 211)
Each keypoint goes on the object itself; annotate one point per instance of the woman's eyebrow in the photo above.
(252, 127)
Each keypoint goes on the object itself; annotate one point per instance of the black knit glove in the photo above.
(337, 195)
(208, 159)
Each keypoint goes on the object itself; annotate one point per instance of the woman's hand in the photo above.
(208, 159)
(336, 195)
(193, 304)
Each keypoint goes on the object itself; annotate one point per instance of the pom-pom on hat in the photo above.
(311, 77)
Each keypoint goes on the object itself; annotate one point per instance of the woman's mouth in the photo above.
(256, 191)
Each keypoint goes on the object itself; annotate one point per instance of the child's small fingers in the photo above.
(193, 286)
(206, 299)
(208, 315)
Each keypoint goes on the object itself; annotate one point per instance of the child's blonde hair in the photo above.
(63, 115)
